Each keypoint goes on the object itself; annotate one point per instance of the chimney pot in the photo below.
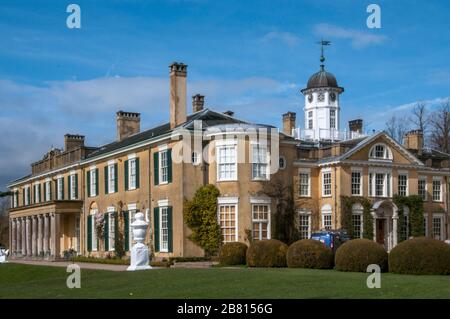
(198, 101)
(128, 123)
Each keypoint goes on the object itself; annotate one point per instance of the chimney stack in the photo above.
(356, 126)
(413, 140)
(128, 123)
(73, 141)
(288, 122)
(178, 72)
(198, 101)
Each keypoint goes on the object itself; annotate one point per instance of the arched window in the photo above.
(380, 151)
(326, 217)
(357, 220)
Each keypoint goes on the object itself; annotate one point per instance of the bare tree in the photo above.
(4, 220)
(440, 127)
(396, 128)
(420, 118)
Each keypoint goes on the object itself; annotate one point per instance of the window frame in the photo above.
(37, 193)
(228, 202)
(111, 178)
(440, 217)
(132, 172)
(326, 211)
(93, 182)
(163, 170)
(59, 188)
(219, 164)
(425, 195)
(387, 153)
(261, 166)
(94, 238)
(308, 173)
(406, 190)
(259, 221)
(360, 192)
(163, 231)
(303, 214)
(436, 179)
(327, 191)
(111, 231)
(73, 189)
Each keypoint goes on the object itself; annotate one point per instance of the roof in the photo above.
(322, 79)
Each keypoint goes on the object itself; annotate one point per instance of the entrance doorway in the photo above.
(380, 231)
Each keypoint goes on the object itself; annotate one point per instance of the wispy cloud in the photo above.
(359, 39)
(287, 38)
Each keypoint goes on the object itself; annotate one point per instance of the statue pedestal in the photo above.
(139, 251)
(139, 258)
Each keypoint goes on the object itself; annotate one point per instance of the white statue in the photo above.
(139, 251)
(3, 254)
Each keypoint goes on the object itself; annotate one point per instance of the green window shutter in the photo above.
(137, 172)
(156, 167)
(126, 233)
(29, 196)
(106, 179)
(169, 165)
(34, 193)
(62, 183)
(96, 182)
(76, 186)
(69, 188)
(88, 183)
(126, 175)
(106, 231)
(40, 193)
(89, 233)
(116, 178)
(170, 229)
(23, 197)
(156, 227)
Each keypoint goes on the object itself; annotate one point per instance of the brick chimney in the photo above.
(128, 123)
(356, 125)
(288, 122)
(73, 141)
(413, 140)
(198, 101)
(178, 72)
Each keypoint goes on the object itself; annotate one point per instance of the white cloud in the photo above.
(287, 38)
(359, 39)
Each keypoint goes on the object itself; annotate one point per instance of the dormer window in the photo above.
(380, 151)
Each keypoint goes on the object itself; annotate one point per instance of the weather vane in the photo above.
(322, 43)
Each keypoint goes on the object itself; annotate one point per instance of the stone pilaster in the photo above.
(13, 236)
(46, 235)
(55, 249)
(24, 235)
(40, 236)
(19, 236)
(34, 235)
(29, 239)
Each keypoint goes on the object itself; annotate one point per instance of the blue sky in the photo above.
(248, 56)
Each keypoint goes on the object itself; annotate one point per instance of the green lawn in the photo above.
(23, 281)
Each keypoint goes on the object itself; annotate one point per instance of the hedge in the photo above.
(267, 253)
(233, 254)
(357, 254)
(309, 253)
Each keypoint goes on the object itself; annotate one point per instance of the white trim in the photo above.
(260, 200)
(131, 156)
(403, 173)
(269, 215)
(73, 172)
(92, 167)
(234, 203)
(233, 178)
(110, 209)
(59, 176)
(163, 147)
(132, 206)
(227, 200)
(163, 202)
(111, 162)
(226, 142)
(111, 221)
(48, 179)
(160, 167)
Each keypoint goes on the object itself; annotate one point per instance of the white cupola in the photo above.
(322, 104)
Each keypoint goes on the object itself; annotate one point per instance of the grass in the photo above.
(25, 281)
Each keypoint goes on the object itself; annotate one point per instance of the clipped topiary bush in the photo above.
(357, 254)
(233, 254)
(420, 256)
(267, 253)
(309, 253)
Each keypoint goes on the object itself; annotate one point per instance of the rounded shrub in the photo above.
(420, 256)
(309, 253)
(357, 254)
(267, 253)
(233, 254)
